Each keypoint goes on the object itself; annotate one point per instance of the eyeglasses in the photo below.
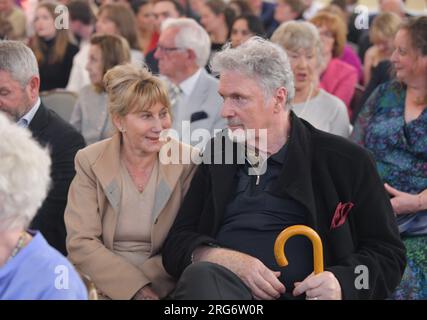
(169, 49)
(326, 34)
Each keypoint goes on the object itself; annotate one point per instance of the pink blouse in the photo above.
(340, 79)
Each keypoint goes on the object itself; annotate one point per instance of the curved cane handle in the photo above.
(279, 245)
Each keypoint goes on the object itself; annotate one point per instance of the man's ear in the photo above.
(191, 54)
(280, 97)
(33, 87)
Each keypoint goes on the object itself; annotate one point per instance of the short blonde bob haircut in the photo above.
(133, 89)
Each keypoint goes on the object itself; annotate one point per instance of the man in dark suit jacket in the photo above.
(221, 243)
(19, 98)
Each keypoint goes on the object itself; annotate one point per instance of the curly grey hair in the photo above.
(260, 59)
(17, 59)
(24, 175)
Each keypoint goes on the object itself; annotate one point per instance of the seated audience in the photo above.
(145, 22)
(82, 20)
(52, 48)
(265, 11)
(245, 27)
(217, 18)
(311, 8)
(221, 243)
(124, 199)
(288, 10)
(394, 6)
(30, 268)
(302, 43)
(337, 77)
(348, 55)
(20, 80)
(381, 34)
(118, 19)
(241, 7)
(82, 24)
(13, 14)
(183, 51)
(393, 126)
(90, 115)
(162, 10)
(6, 30)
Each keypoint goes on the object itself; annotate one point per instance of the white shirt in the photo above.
(187, 86)
(325, 112)
(79, 76)
(24, 122)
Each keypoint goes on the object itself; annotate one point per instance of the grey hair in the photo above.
(191, 36)
(260, 59)
(18, 60)
(24, 175)
(295, 35)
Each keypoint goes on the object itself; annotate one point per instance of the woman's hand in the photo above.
(146, 293)
(322, 286)
(403, 202)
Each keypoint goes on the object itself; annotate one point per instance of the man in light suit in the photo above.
(19, 99)
(183, 51)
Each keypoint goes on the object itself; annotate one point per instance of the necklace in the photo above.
(310, 93)
(145, 176)
(19, 245)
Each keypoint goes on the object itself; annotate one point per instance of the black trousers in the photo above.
(210, 281)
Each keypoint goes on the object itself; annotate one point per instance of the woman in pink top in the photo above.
(338, 77)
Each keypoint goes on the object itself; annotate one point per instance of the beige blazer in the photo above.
(91, 218)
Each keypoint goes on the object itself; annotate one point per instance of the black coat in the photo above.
(63, 142)
(320, 171)
(56, 75)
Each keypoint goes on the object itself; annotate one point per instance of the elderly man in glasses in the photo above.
(183, 51)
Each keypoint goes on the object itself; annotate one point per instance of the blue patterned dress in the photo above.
(400, 151)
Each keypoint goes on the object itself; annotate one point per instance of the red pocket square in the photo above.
(341, 214)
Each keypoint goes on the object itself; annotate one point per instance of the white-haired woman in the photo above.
(123, 198)
(302, 43)
(29, 267)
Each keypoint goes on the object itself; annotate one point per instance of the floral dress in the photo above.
(400, 152)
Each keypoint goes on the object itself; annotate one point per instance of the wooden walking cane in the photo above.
(279, 245)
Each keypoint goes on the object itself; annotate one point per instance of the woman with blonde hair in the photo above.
(125, 197)
(381, 34)
(118, 19)
(52, 47)
(90, 115)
